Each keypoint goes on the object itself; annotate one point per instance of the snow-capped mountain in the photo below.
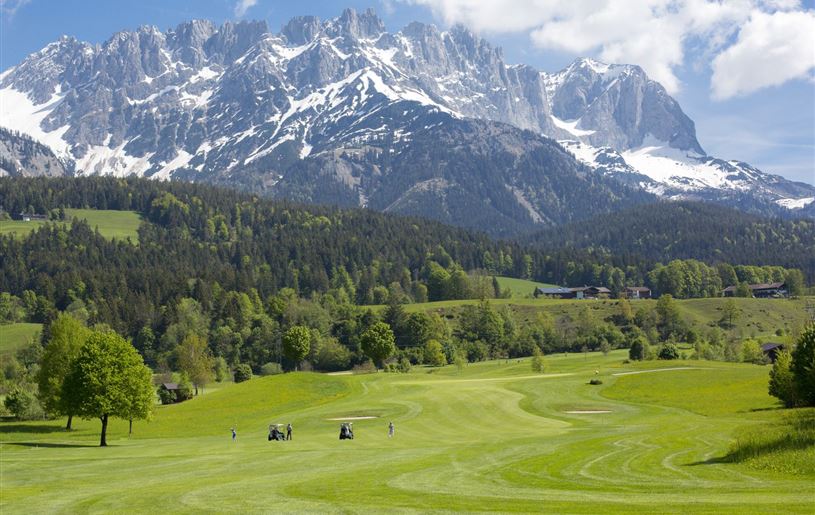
(649, 142)
(238, 104)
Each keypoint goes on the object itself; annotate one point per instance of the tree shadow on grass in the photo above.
(47, 445)
(30, 428)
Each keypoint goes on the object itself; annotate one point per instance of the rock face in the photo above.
(619, 107)
(21, 156)
(236, 104)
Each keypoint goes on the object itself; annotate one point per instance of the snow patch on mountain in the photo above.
(795, 203)
(571, 126)
(19, 112)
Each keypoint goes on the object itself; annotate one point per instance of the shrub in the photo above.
(166, 396)
(782, 381)
(751, 352)
(403, 366)
(803, 366)
(184, 392)
(433, 354)
(366, 367)
(669, 351)
(242, 372)
(221, 369)
(477, 351)
(537, 360)
(596, 381)
(460, 360)
(331, 355)
(271, 369)
(637, 351)
(23, 404)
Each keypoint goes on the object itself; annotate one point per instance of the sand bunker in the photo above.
(351, 418)
(588, 411)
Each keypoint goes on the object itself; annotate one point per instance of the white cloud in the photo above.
(244, 5)
(8, 8)
(654, 34)
(771, 49)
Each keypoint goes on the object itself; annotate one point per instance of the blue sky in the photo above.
(750, 102)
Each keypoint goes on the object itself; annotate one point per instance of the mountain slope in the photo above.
(20, 155)
(665, 231)
(475, 174)
(239, 105)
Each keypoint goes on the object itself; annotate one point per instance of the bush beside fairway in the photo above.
(15, 336)
(111, 224)
(492, 437)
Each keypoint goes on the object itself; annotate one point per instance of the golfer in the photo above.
(234, 435)
(390, 429)
(288, 431)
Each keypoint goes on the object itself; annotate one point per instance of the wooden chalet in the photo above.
(637, 292)
(771, 350)
(28, 217)
(170, 391)
(583, 292)
(556, 293)
(761, 291)
(595, 292)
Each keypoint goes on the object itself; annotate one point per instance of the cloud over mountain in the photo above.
(743, 37)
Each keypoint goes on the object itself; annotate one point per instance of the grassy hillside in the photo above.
(491, 437)
(14, 336)
(111, 224)
(520, 288)
(757, 317)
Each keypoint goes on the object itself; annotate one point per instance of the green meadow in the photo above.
(520, 288)
(111, 224)
(655, 437)
(15, 336)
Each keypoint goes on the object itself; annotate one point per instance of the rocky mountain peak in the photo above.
(237, 104)
(366, 25)
(301, 29)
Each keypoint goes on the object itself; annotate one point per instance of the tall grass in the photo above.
(787, 445)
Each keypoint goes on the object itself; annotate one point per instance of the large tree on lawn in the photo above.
(65, 337)
(108, 379)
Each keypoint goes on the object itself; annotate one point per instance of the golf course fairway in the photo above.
(493, 436)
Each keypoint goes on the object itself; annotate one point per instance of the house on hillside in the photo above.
(761, 291)
(596, 292)
(28, 217)
(769, 291)
(771, 350)
(637, 292)
(168, 393)
(559, 292)
(582, 292)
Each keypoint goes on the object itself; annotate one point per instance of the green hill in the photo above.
(491, 437)
(521, 288)
(14, 336)
(111, 223)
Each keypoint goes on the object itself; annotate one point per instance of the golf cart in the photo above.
(347, 431)
(275, 433)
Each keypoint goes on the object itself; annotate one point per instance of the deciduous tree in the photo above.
(378, 342)
(195, 360)
(108, 379)
(296, 343)
(65, 337)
